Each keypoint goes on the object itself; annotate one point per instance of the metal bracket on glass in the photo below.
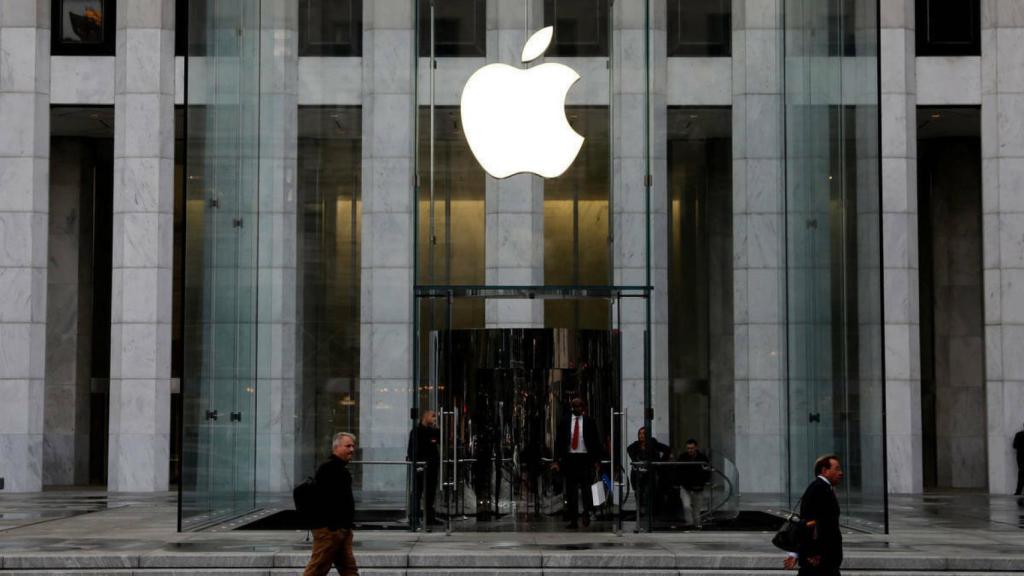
(211, 414)
(814, 417)
(236, 416)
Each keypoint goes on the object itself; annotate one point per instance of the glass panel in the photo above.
(82, 27)
(836, 388)
(700, 276)
(330, 27)
(948, 28)
(524, 261)
(220, 281)
(576, 225)
(459, 27)
(699, 27)
(83, 21)
(581, 27)
(329, 244)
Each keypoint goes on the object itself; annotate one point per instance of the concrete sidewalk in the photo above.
(95, 533)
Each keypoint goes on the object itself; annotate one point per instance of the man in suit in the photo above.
(578, 457)
(1018, 445)
(821, 548)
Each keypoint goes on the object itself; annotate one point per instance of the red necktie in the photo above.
(575, 432)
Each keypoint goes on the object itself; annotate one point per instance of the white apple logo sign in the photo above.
(514, 119)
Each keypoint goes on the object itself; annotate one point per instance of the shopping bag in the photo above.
(597, 493)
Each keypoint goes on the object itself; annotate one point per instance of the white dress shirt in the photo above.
(582, 447)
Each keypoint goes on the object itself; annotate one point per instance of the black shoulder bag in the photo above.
(791, 533)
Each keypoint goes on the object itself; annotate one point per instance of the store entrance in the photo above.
(502, 393)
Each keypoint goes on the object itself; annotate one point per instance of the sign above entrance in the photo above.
(514, 118)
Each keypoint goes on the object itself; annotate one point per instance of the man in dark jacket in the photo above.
(424, 447)
(821, 548)
(1018, 445)
(694, 475)
(578, 457)
(332, 528)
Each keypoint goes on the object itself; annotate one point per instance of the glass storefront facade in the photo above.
(707, 272)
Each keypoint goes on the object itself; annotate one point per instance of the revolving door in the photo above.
(501, 395)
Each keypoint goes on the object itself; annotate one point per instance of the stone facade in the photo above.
(24, 216)
(141, 81)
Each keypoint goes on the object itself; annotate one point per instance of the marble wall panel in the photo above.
(144, 75)
(24, 206)
(1003, 154)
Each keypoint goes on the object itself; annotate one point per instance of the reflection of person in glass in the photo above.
(577, 456)
(644, 477)
(424, 445)
(694, 475)
(88, 26)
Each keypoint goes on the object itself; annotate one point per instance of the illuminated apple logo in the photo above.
(514, 119)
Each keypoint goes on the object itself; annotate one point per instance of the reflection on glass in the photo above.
(699, 27)
(329, 227)
(330, 28)
(581, 27)
(701, 280)
(576, 224)
(459, 27)
(82, 21)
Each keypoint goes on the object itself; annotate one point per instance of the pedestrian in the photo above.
(1018, 445)
(332, 525)
(577, 456)
(424, 445)
(694, 475)
(821, 547)
(642, 475)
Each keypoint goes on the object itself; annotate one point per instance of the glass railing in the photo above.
(681, 495)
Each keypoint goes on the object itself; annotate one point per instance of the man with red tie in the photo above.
(578, 456)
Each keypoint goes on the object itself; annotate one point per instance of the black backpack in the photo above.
(305, 497)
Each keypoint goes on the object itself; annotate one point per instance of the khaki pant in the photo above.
(332, 548)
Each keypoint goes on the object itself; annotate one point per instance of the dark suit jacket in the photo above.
(591, 437)
(1018, 445)
(820, 504)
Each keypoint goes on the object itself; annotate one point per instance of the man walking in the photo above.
(821, 548)
(332, 528)
(577, 456)
(693, 477)
(424, 441)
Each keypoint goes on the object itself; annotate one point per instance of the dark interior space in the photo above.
(82, 176)
(953, 412)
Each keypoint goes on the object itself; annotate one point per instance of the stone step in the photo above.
(463, 561)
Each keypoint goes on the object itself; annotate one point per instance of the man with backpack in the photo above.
(332, 520)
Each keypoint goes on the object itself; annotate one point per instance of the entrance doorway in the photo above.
(501, 395)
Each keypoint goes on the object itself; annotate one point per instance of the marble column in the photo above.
(62, 416)
(630, 223)
(385, 364)
(514, 206)
(24, 215)
(278, 294)
(1002, 152)
(758, 244)
(900, 257)
(143, 222)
